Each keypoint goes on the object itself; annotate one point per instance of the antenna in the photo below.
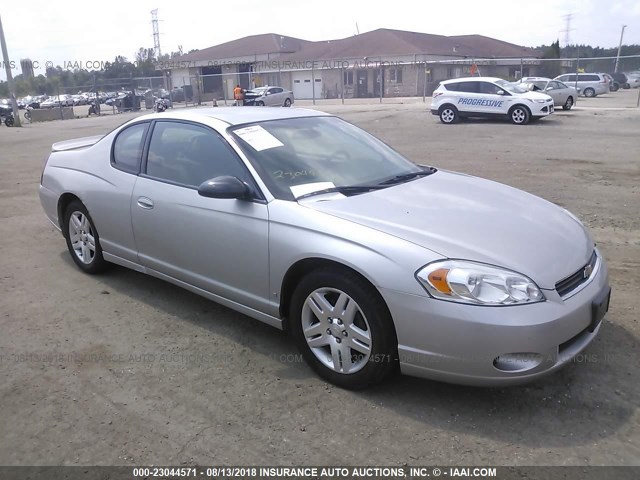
(156, 32)
(357, 29)
(567, 29)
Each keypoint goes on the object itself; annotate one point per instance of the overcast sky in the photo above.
(80, 31)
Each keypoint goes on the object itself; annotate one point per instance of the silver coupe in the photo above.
(307, 223)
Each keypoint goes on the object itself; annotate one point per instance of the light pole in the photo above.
(7, 66)
(615, 70)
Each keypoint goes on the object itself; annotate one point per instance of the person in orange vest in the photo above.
(238, 95)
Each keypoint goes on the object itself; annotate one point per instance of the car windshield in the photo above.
(510, 87)
(297, 156)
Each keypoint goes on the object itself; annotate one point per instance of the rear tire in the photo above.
(343, 328)
(519, 115)
(448, 114)
(568, 104)
(589, 92)
(82, 239)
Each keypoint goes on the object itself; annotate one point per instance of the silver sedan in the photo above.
(563, 95)
(268, 97)
(307, 223)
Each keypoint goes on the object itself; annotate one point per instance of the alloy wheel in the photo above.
(336, 330)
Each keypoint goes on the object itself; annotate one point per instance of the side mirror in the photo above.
(547, 89)
(500, 92)
(224, 187)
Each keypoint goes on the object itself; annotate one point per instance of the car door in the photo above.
(558, 92)
(110, 204)
(493, 99)
(218, 245)
(274, 97)
(467, 96)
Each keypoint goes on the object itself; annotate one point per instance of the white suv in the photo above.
(488, 97)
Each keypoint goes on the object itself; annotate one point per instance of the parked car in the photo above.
(56, 101)
(488, 97)
(79, 100)
(590, 84)
(613, 85)
(305, 222)
(268, 96)
(563, 95)
(29, 101)
(621, 79)
(50, 102)
(634, 79)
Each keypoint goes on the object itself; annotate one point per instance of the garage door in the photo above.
(303, 85)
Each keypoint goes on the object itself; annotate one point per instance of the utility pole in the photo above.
(615, 70)
(7, 67)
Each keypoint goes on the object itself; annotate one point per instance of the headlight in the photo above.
(540, 101)
(476, 283)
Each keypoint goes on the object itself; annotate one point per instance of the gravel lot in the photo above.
(123, 369)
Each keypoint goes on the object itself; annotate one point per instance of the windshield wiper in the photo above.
(408, 176)
(346, 190)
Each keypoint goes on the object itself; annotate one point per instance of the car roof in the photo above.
(476, 79)
(536, 79)
(235, 115)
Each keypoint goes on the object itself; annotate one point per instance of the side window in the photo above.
(486, 87)
(188, 154)
(127, 148)
(452, 87)
(469, 87)
(568, 78)
(277, 90)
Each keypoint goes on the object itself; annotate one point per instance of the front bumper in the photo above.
(460, 343)
(542, 109)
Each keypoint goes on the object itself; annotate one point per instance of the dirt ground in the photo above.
(123, 369)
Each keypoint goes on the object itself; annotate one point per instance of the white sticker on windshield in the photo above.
(258, 138)
(299, 190)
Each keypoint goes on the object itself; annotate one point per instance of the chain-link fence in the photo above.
(378, 80)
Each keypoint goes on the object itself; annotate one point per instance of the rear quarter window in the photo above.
(127, 148)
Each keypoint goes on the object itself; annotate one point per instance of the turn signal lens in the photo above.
(438, 278)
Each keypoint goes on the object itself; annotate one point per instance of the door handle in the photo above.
(145, 202)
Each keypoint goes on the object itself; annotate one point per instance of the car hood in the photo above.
(465, 217)
(536, 96)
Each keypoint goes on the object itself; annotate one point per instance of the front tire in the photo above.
(260, 103)
(287, 102)
(589, 92)
(343, 328)
(568, 104)
(520, 115)
(82, 239)
(448, 114)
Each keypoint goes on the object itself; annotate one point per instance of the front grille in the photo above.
(569, 284)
